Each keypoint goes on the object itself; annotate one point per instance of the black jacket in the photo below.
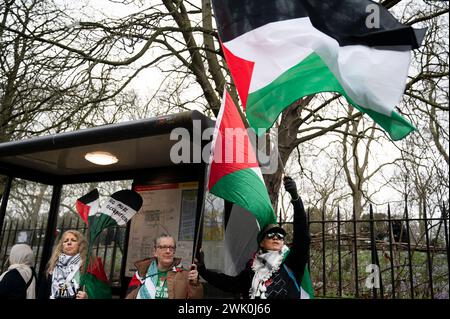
(282, 285)
(13, 286)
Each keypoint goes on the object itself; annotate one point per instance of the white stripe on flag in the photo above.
(118, 211)
(372, 78)
(304, 294)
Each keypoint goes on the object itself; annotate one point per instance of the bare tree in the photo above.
(43, 87)
(101, 57)
(423, 173)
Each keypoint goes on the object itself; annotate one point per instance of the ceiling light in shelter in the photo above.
(101, 158)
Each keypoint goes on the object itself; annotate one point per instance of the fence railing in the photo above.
(109, 246)
(380, 257)
(349, 258)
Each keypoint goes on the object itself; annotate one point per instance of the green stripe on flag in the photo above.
(245, 188)
(395, 125)
(308, 77)
(98, 223)
(306, 283)
(95, 288)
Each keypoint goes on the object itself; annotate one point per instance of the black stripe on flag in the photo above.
(236, 17)
(343, 20)
(350, 22)
(89, 197)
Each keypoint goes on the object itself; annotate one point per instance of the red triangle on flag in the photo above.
(83, 210)
(232, 150)
(241, 71)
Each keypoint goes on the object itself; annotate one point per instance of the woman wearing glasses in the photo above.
(161, 277)
(275, 271)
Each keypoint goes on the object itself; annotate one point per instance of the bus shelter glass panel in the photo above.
(25, 219)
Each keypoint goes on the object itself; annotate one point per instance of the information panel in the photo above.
(166, 208)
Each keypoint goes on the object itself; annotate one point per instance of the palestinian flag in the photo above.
(87, 205)
(306, 287)
(118, 210)
(96, 281)
(234, 172)
(279, 51)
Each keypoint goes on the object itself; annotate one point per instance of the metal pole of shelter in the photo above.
(4, 203)
(50, 231)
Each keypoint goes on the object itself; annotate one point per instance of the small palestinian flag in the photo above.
(118, 210)
(95, 281)
(87, 205)
(234, 172)
(279, 51)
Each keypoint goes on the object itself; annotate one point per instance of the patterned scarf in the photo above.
(264, 265)
(64, 283)
(148, 288)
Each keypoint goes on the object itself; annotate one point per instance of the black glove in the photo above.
(200, 259)
(290, 187)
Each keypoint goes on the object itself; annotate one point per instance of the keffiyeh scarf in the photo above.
(148, 287)
(264, 265)
(64, 283)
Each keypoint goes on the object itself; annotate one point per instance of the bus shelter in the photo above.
(172, 191)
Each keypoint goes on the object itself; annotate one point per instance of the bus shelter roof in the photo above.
(138, 146)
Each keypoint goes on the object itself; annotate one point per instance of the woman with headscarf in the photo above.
(19, 281)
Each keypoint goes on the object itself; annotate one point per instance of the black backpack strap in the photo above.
(33, 276)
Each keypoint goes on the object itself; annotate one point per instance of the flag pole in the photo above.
(205, 193)
(88, 254)
(205, 180)
(243, 118)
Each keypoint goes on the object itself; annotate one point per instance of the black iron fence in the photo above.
(380, 256)
(375, 256)
(109, 246)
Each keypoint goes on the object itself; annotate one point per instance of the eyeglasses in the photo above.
(171, 248)
(273, 235)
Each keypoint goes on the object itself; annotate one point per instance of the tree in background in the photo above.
(68, 66)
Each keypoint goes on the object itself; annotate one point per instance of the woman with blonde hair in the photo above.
(67, 263)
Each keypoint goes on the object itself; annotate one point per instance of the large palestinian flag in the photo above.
(281, 50)
(234, 172)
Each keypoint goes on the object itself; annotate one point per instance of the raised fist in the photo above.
(290, 187)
